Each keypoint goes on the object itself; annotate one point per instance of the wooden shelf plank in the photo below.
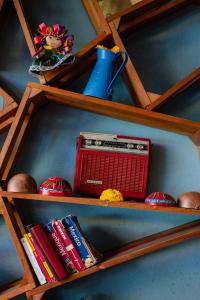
(15, 289)
(132, 78)
(96, 16)
(19, 139)
(1, 4)
(140, 7)
(95, 202)
(151, 15)
(118, 110)
(177, 235)
(176, 89)
(6, 124)
(137, 248)
(14, 129)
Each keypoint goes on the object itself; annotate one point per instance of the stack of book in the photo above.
(58, 249)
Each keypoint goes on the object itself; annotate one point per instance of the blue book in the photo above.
(88, 254)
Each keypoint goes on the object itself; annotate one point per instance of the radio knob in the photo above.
(140, 147)
(130, 146)
(98, 143)
(88, 142)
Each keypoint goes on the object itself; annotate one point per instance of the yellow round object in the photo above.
(111, 195)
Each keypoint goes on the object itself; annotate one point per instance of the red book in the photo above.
(75, 257)
(58, 244)
(46, 270)
(48, 251)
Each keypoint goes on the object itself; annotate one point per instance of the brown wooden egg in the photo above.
(22, 183)
(189, 200)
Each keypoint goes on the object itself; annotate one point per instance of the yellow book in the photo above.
(29, 238)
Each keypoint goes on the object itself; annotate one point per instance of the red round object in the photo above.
(55, 186)
(160, 199)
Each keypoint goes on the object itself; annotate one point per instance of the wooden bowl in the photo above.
(189, 200)
(22, 183)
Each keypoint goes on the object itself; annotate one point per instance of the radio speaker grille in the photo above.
(122, 172)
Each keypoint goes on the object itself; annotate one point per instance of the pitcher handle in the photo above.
(125, 59)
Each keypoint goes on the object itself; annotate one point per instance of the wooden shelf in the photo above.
(36, 94)
(95, 202)
(131, 251)
(117, 110)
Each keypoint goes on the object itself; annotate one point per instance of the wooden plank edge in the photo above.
(16, 290)
(139, 7)
(173, 124)
(19, 139)
(4, 126)
(96, 15)
(8, 111)
(128, 204)
(25, 26)
(156, 244)
(14, 129)
(149, 238)
(119, 111)
(135, 85)
(6, 97)
(175, 90)
(152, 15)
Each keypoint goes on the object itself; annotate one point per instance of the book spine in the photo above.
(41, 260)
(47, 250)
(40, 276)
(91, 249)
(60, 247)
(73, 228)
(73, 253)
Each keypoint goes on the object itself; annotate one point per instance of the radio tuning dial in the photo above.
(98, 143)
(88, 142)
(140, 147)
(130, 146)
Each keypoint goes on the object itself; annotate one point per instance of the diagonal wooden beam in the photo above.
(9, 106)
(175, 90)
(134, 83)
(157, 242)
(139, 8)
(14, 129)
(96, 16)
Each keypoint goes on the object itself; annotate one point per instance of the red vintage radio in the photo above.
(111, 161)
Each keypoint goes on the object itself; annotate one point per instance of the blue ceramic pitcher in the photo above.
(103, 76)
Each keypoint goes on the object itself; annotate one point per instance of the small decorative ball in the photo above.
(111, 195)
(55, 186)
(189, 200)
(160, 199)
(22, 183)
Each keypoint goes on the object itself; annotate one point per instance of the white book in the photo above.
(33, 261)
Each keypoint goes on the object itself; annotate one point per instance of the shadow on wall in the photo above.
(157, 171)
(108, 240)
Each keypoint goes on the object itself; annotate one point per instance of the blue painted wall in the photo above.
(163, 54)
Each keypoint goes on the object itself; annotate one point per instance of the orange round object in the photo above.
(189, 200)
(22, 183)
